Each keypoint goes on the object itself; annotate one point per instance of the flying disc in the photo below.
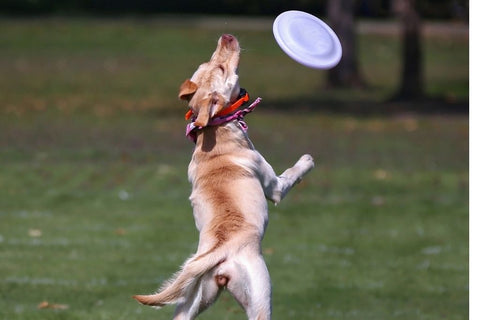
(307, 39)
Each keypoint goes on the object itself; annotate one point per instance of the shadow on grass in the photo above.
(426, 105)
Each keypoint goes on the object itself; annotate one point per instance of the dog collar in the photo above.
(242, 98)
(191, 130)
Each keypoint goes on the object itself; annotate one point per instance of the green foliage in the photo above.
(94, 192)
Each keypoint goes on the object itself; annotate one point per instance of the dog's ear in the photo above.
(203, 113)
(209, 108)
(187, 90)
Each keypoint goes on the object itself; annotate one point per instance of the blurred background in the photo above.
(93, 159)
(433, 9)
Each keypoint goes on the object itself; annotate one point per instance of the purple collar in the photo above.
(191, 130)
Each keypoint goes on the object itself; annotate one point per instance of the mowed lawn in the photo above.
(93, 175)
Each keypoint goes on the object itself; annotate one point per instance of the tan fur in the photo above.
(215, 84)
(230, 184)
(215, 176)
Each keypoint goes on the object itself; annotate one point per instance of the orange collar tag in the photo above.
(189, 114)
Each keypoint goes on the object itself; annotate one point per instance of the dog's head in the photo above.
(214, 85)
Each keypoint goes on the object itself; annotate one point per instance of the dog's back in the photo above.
(230, 184)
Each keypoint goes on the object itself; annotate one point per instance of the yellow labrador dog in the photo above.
(231, 182)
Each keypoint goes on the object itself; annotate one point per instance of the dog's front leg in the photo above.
(294, 175)
(275, 188)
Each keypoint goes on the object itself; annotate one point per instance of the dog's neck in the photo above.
(222, 139)
(192, 130)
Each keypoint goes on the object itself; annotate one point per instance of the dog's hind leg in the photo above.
(200, 298)
(250, 285)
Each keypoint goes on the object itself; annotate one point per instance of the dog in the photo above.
(231, 183)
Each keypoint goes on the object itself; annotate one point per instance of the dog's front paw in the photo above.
(306, 163)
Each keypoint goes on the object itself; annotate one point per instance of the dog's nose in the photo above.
(227, 37)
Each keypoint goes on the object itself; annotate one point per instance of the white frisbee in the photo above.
(307, 39)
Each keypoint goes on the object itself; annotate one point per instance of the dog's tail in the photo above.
(192, 270)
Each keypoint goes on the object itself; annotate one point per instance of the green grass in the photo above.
(94, 192)
(110, 65)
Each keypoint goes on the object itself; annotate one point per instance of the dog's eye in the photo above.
(221, 68)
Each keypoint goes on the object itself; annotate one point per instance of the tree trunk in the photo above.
(341, 19)
(411, 85)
